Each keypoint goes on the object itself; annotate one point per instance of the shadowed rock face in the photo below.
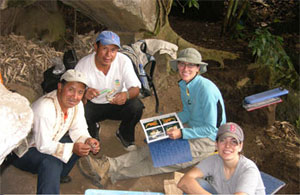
(119, 15)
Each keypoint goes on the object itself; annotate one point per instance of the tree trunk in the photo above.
(141, 19)
(145, 18)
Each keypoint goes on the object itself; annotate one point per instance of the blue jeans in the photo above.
(48, 168)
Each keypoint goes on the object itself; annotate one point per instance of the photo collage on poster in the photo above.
(156, 128)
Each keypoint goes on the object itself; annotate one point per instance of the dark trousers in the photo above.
(130, 113)
(48, 168)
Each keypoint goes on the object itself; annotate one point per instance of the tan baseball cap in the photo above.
(72, 75)
(231, 129)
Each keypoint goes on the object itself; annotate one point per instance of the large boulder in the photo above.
(120, 15)
(48, 26)
(16, 118)
(33, 19)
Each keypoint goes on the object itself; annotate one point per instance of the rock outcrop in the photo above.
(120, 15)
(16, 118)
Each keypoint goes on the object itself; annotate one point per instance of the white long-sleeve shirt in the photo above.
(49, 126)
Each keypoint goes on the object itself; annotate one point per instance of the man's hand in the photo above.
(94, 144)
(174, 133)
(90, 93)
(81, 149)
(119, 99)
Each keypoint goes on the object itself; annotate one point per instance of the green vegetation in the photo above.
(235, 10)
(268, 50)
(189, 3)
(276, 68)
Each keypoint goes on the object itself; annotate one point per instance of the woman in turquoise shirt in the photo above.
(203, 112)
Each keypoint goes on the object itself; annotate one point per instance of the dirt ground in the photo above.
(274, 150)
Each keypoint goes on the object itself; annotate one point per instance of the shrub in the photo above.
(268, 51)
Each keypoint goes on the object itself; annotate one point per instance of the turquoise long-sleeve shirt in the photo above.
(203, 108)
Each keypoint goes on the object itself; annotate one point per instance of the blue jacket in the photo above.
(203, 108)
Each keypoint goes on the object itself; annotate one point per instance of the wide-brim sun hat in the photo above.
(189, 55)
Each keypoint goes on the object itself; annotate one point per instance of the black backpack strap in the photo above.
(152, 63)
(70, 59)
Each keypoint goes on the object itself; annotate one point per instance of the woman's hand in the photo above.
(174, 133)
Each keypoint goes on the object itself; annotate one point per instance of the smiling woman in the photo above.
(240, 174)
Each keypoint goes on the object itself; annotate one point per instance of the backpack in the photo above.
(135, 54)
(52, 75)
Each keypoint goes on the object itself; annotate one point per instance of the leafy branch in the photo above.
(268, 51)
(190, 3)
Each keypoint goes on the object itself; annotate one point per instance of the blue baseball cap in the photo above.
(108, 38)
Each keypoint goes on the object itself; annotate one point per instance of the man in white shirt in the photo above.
(59, 136)
(113, 89)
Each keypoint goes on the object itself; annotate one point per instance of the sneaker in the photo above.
(128, 146)
(87, 171)
(65, 179)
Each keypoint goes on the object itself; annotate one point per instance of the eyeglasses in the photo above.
(185, 64)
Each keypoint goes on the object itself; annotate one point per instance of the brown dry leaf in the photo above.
(21, 60)
(24, 61)
(289, 144)
(275, 137)
(259, 142)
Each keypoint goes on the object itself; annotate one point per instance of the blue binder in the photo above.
(169, 152)
(259, 97)
(271, 183)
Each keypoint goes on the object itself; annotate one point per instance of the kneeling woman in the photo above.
(227, 172)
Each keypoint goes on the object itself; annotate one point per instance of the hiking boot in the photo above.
(88, 171)
(128, 146)
(65, 179)
(100, 166)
